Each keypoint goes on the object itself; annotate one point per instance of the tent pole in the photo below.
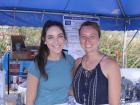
(124, 60)
(58, 13)
(132, 39)
(124, 47)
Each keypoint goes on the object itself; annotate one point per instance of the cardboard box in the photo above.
(22, 55)
(18, 43)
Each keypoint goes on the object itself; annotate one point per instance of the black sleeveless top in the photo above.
(90, 87)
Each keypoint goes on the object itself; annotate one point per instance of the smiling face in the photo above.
(55, 40)
(89, 38)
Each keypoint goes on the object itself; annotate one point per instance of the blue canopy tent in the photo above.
(113, 14)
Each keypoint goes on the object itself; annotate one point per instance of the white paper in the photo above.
(2, 84)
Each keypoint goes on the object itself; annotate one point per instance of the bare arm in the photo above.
(71, 91)
(32, 84)
(114, 79)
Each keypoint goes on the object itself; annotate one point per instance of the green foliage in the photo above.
(32, 35)
(3, 44)
(133, 53)
(110, 43)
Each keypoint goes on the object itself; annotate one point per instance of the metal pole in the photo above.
(124, 47)
(8, 79)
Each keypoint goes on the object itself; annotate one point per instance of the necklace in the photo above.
(88, 65)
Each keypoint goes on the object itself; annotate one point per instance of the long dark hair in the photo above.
(43, 52)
